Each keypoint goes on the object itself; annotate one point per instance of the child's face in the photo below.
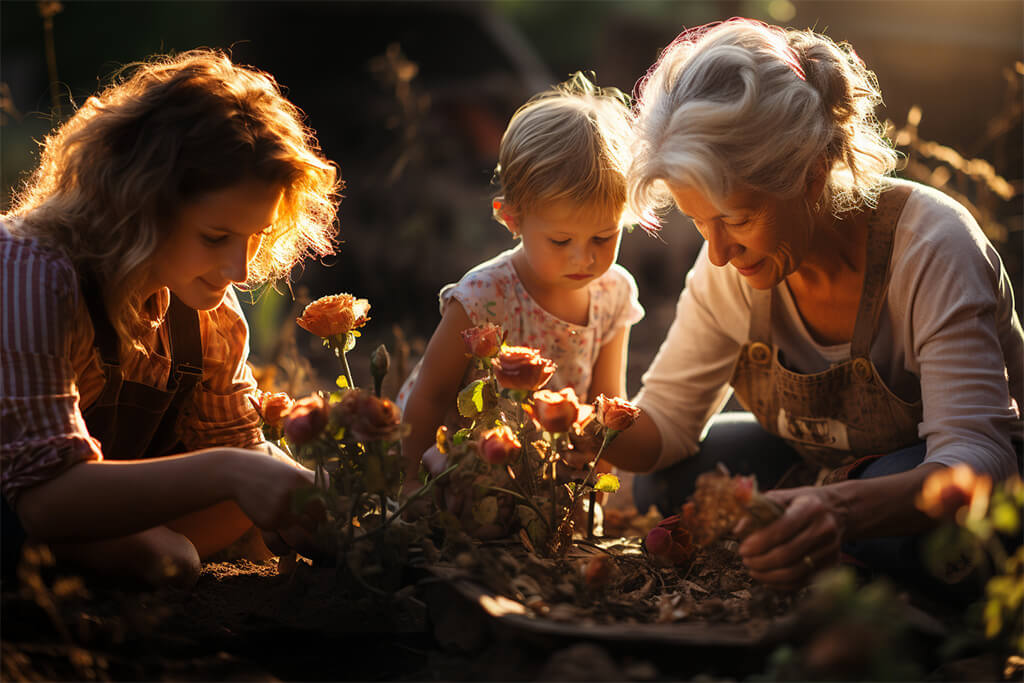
(213, 240)
(567, 245)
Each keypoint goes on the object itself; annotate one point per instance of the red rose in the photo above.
(522, 368)
(616, 414)
(499, 446)
(556, 411)
(337, 314)
(369, 418)
(483, 341)
(305, 420)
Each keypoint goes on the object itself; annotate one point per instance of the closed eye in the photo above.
(601, 240)
(208, 239)
(560, 243)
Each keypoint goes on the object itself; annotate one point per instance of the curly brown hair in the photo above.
(165, 132)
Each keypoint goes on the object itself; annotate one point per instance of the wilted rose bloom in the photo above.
(334, 315)
(669, 542)
(945, 492)
(273, 408)
(368, 417)
(483, 341)
(616, 414)
(556, 411)
(523, 368)
(305, 420)
(499, 446)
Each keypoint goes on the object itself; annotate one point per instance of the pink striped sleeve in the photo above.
(220, 413)
(41, 427)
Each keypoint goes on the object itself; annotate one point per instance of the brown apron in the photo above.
(834, 417)
(132, 420)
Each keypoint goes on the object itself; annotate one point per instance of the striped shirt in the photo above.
(50, 370)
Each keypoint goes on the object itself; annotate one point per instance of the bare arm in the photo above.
(609, 375)
(105, 499)
(441, 371)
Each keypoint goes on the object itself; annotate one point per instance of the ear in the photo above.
(504, 216)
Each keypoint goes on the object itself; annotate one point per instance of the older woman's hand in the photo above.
(786, 553)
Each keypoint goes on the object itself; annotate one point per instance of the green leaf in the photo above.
(342, 382)
(608, 483)
(471, 399)
(460, 436)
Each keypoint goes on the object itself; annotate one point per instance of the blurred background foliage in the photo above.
(410, 100)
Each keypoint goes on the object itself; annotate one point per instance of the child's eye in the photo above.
(214, 240)
(735, 222)
(601, 240)
(559, 243)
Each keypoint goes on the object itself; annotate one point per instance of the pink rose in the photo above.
(670, 542)
(368, 417)
(616, 414)
(483, 341)
(522, 368)
(305, 420)
(556, 411)
(499, 446)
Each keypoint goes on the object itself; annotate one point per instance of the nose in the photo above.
(721, 247)
(236, 262)
(586, 255)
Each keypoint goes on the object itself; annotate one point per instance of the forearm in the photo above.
(881, 506)
(105, 499)
(637, 448)
(424, 417)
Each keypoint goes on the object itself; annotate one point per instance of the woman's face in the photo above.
(212, 241)
(764, 238)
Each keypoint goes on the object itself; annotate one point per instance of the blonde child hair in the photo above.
(568, 143)
(167, 131)
(741, 102)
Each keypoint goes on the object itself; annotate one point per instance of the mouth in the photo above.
(750, 270)
(578, 276)
(212, 287)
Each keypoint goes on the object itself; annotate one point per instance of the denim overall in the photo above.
(131, 420)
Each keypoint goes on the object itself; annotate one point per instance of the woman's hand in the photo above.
(264, 487)
(807, 538)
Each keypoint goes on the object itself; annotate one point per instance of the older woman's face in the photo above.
(764, 238)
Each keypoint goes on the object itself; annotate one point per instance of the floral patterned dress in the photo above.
(493, 293)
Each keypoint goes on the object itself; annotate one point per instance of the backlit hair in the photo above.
(112, 179)
(568, 143)
(741, 103)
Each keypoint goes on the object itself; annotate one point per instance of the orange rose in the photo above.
(948, 491)
(616, 414)
(556, 411)
(368, 417)
(334, 315)
(483, 341)
(305, 420)
(522, 368)
(499, 446)
(273, 408)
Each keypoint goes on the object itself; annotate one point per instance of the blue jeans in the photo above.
(738, 441)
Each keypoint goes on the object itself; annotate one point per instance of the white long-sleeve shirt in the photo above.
(948, 335)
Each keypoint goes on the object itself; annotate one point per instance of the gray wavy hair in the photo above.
(741, 103)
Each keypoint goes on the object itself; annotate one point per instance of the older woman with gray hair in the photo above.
(865, 323)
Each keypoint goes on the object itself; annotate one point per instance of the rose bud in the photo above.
(556, 411)
(334, 315)
(616, 414)
(380, 362)
(499, 446)
(483, 341)
(305, 420)
(522, 368)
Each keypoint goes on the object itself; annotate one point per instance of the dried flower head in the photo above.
(369, 418)
(616, 414)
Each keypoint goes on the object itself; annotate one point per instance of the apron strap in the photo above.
(881, 235)
(761, 301)
(186, 372)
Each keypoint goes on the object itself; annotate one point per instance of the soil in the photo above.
(494, 612)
